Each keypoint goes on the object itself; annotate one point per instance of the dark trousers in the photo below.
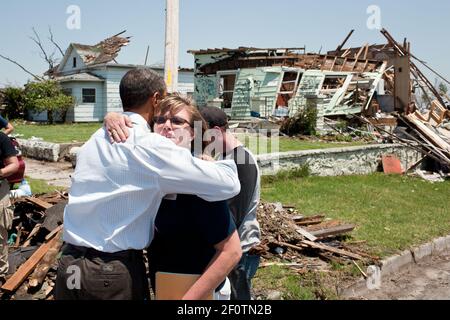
(88, 274)
(241, 277)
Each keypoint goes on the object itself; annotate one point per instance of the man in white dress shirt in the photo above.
(115, 195)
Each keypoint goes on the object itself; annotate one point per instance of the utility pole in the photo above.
(172, 45)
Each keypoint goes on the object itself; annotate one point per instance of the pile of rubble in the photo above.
(34, 247)
(304, 243)
(290, 239)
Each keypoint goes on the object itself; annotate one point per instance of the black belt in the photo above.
(126, 254)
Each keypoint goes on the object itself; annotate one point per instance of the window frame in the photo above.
(83, 96)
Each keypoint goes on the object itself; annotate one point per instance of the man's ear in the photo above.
(156, 97)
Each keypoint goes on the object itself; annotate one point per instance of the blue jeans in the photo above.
(241, 277)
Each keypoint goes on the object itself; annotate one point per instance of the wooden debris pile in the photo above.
(289, 237)
(35, 244)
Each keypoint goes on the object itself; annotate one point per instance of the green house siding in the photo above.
(255, 90)
(310, 85)
(205, 89)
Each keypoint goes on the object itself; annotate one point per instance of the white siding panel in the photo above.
(69, 64)
(88, 112)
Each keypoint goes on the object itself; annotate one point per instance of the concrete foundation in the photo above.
(339, 161)
(41, 150)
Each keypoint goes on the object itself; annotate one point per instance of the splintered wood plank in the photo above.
(305, 221)
(306, 234)
(51, 234)
(342, 229)
(340, 252)
(45, 264)
(31, 235)
(39, 202)
(25, 270)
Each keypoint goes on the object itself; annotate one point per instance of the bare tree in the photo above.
(50, 59)
(51, 38)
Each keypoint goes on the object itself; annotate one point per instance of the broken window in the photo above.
(290, 83)
(88, 95)
(74, 62)
(227, 83)
(332, 83)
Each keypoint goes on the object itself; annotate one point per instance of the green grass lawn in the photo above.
(285, 144)
(391, 213)
(81, 132)
(41, 187)
(59, 133)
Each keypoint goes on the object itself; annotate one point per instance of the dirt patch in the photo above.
(427, 280)
(55, 173)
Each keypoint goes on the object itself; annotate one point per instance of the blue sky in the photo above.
(214, 23)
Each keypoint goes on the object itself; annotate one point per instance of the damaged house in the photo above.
(262, 83)
(92, 75)
(379, 85)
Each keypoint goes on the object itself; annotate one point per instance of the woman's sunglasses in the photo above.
(176, 121)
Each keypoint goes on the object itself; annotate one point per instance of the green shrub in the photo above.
(14, 100)
(47, 96)
(304, 123)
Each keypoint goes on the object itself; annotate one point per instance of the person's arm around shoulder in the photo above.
(181, 173)
(228, 254)
(117, 125)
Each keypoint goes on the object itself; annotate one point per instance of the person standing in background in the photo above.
(243, 206)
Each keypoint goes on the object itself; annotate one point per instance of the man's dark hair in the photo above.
(138, 85)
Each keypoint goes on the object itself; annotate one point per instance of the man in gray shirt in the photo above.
(243, 206)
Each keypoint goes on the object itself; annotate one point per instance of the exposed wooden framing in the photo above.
(365, 65)
(402, 83)
(366, 52)
(402, 52)
(346, 53)
(334, 63)
(324, 63)
(357, 57)
(375, 85)
(343, 65)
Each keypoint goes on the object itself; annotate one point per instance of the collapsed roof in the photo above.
(105, 51)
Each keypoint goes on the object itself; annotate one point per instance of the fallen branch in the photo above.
(22, 67)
